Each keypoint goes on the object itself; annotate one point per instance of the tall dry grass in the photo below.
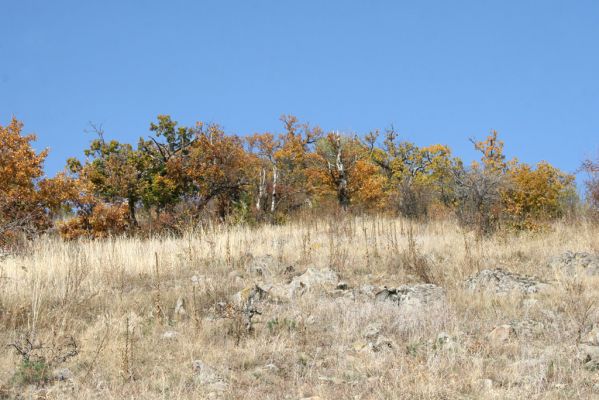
(116, 298)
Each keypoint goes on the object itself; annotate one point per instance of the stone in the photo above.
(485, 384)
(445, 342)
(63, 374)
(208, 376)
(170, 335)
(575, 264)
(413, 298)
(180, 312)
(262, 266)
(501, 334)
(527, 328)
(591, 336)
(589, 355)
(504, 282)
(371, 331)
(383, 343)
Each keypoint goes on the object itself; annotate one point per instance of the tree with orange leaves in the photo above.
(22, 208)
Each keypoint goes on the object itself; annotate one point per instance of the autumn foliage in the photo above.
(179, 175)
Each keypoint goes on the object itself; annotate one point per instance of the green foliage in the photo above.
(32, 373)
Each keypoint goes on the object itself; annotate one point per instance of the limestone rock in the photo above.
(573, 264)
(208, 376)
(501, 334)
(170, 335)
(411, 298)
(504, 282)
(262, 266)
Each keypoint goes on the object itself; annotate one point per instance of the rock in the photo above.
(234, 275)
(573, 264)
(484, 384)
(63, 374)
(250, 294)
(180, 312)
(411, 298)
(342, 286)
(591, 336)
(247, 301)
(316, 277)
(372, 331)
(272, 368)
(262, 266)
(169, 335)
(311, 280)
(383, 343)
(527, 328)
(446, 342)
(501, 334)
(504, 282)
(589, 355)
(208, 376)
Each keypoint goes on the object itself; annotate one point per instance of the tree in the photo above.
(165, 182)
(415, 175)
(591, 167)
(114, 172)
(22, 208)
(536, 195)
(267, 147)
(217, 167)
(294, 157)
(479, 189)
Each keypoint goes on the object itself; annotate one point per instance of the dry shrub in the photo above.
(104, 221)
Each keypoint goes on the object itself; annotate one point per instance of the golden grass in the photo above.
(117, 302)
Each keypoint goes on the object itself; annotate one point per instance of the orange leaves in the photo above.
(21, 207)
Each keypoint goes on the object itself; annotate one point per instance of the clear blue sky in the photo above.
(440, 71)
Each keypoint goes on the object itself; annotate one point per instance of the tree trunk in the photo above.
(261, 190)
(275, 176)
(132, 216)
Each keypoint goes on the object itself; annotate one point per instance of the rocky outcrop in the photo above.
(312, 280)
(575, 264)
(503, 282)
(412, 298)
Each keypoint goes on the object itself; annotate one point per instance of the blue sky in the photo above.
(440, 71)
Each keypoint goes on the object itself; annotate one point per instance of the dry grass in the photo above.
(117, 298)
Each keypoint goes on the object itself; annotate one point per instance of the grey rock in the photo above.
(412, 298)
(208, 376)
(504, 282)
(170, 335)
(591, 336)
(501, 334)
(574, 264)
(180, 312)
(63, 374)
(312, 279)
(262, 266)
(372, 331)
(527, 328)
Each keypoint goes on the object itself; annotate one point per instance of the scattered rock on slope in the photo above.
(208, 376)
(572, 264)
(413, 297)
(501, 281)
(312, 279)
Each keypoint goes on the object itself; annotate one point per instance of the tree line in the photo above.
(180, 175)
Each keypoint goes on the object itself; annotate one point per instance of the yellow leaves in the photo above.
(536, 195)
(491, 148)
